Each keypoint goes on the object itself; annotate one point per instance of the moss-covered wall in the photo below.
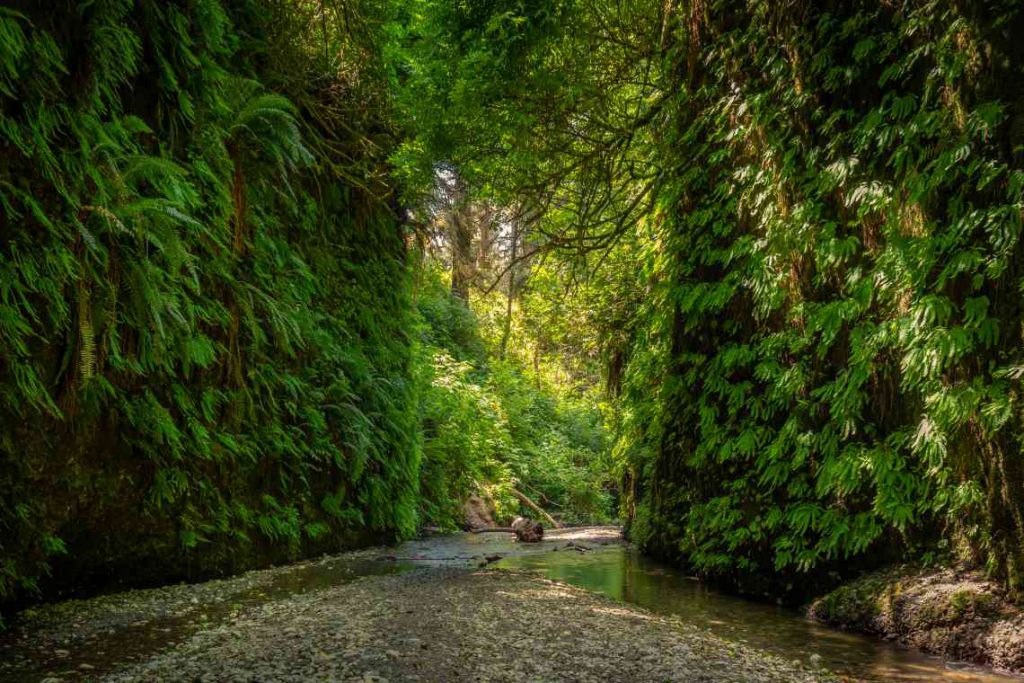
(204, 357)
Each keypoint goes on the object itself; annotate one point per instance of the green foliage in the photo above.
(463, 74)
(835, 290)
(466, 441)
(204, 350)
(820, 205)
(490, 426)
(787, 236)
(559, 444)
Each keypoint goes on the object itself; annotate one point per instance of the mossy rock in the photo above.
(854, 605)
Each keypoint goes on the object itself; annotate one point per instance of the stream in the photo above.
(83, 639)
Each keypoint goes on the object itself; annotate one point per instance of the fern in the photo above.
(86, 336)
(126, 124)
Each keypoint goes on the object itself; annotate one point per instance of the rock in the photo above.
(950, 612)
(479, 514)
(458, 629)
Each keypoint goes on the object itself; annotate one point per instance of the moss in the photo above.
(856, 603)
(967, 603)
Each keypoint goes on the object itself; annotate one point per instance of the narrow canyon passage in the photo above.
(308, 308)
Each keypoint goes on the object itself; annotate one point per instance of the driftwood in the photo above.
(536, 508)
(526, 530)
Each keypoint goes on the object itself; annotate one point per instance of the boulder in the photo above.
(479, 514)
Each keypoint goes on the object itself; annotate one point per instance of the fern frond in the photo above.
(86, 335)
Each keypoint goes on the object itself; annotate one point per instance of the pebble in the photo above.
(434, 624)
(457, 625)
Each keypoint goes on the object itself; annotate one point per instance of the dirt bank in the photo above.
(955, 614)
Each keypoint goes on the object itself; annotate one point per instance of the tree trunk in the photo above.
(511, 289)
(461, 236)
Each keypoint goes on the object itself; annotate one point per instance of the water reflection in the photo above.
(627, 576)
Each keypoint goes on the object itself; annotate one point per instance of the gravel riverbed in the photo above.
(432, 609)
(457, 625)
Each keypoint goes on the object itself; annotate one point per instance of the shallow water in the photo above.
(85, 639)
(621, 573)
(624, 575)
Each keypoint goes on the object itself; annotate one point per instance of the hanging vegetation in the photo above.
(204, 312)
(279, 276)
(840, 278)
(819, 206)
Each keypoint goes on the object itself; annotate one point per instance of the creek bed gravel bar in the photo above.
(429, 610)
(458, 625)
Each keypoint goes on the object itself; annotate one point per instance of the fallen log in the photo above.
(536, 508)
(526, 530)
